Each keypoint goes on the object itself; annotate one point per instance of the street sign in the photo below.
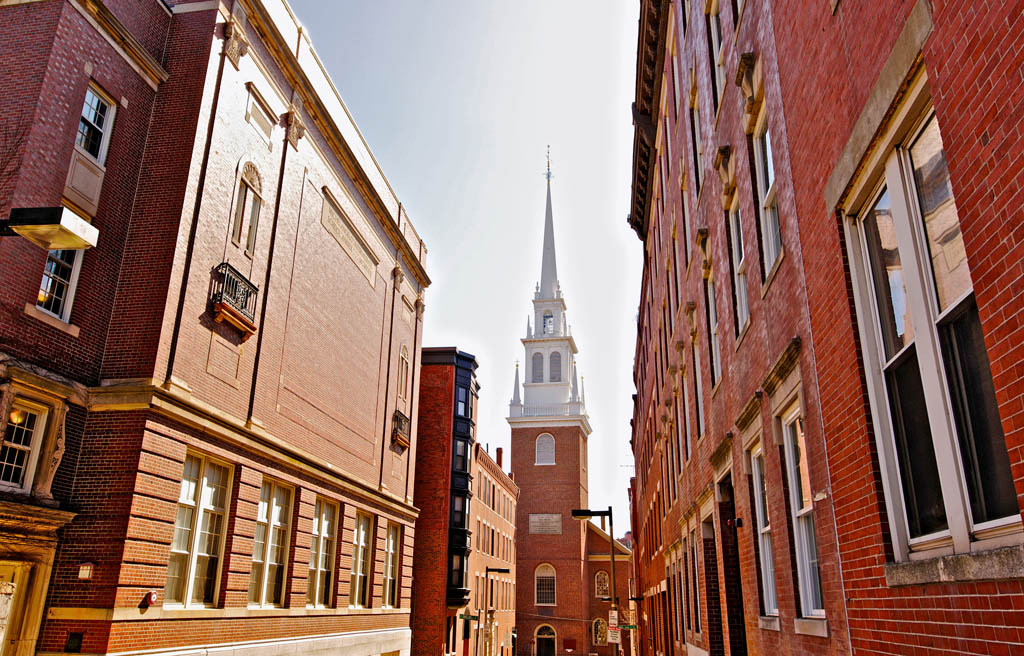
(613, 618)
(613, 628)
(628, 627)
(468, 617)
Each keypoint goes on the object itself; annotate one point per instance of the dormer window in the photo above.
(549, 324)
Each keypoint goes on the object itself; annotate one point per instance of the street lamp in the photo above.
(487, 586)
(585, 514)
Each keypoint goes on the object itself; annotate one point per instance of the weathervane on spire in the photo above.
(547, 175)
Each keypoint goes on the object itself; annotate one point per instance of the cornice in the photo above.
(130, 48)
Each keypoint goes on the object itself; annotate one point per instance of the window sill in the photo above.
(771, 273)
(50, 320)
(743, 332)
(1004, 563)
(770, 623)
(812, 626)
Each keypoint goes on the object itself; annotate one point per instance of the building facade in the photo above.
(557, 610)
(209, 416)
(444, 490)
(827, 419)
(492, 595)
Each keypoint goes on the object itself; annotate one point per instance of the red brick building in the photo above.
(209, 416)
(563, 591)
(444, 492)
(493, 521)
(828, 415)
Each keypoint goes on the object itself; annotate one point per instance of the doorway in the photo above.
(731, 568)
(545, 641)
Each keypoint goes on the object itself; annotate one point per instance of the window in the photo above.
(802, 509)
(601, 584)
(460, 511)
(685, 198)
(931, 380)
(738, 265)
(766, 563)
(698, 389)
(544, 580)
(248, 204)
(716, 53)
(463, 405)
(403, 377)
(555, 366)
(695, 592)
(22, 438)
(95, 125)
(320, 583)
(600, 630)
(771, 238)
(545, 449)
(457, 573)
(362, 548)
(549, 323)
(714, 344)
(60, 278)
(193, 571)
(270, 549)
(698, 146)
(391, 573)
(537, 368)
(461, 461)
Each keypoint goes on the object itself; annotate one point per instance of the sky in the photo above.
(458, 101)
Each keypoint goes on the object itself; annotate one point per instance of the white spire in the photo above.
(583, 393)
(575, 383)
(529, 333)
(515, 390)
(548, 271)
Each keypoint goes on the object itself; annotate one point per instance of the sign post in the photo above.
(614, 637)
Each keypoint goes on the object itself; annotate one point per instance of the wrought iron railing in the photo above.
(234, 290)
(401, 429)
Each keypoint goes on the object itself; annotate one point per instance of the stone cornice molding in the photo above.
(130, 48)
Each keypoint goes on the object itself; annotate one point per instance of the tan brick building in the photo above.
(217, 401)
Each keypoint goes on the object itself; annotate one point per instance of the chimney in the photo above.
(497, 456)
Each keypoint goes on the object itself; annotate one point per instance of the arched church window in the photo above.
(601, 584)
(247, 204)
(538, 368)
(600, 632)
(549, 323)
(544, 578)
(545, 449)
(555, 366)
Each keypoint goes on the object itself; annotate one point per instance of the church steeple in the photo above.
(549, 270)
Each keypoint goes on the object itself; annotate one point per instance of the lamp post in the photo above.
(487, 586)
(585, 514)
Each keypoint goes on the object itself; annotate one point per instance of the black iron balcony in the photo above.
(401, 432)
(234, 299)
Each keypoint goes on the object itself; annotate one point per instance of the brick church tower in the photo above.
(549, 463)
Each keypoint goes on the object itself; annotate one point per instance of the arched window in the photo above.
(555, 365)
(600, 628)
(545, 449)
(247, 203)
(545, 641)
(538, 368)
(544, 585)
(601, 584)
(549, 323)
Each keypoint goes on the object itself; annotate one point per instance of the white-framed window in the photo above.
(698, 145)
(544, 450)
(764, 165)
(544, 585)
(801, 505)
(269, 572)
(601, 585)
(739, 268)
(392, 576)
(944, 458)
(247, 204)
(537, 368)
(698, 391)
(96, 124)
(60, 279)
(320, 584)
(687, 230)
(362, 553)
(555, 367)
(24, 428)
(194, 567)
(717, 52)
(766, 558)
(714, 339)
(403, 377)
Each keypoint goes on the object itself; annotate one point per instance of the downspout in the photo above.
(190, 248)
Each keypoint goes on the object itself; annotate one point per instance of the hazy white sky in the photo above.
(458, 101)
